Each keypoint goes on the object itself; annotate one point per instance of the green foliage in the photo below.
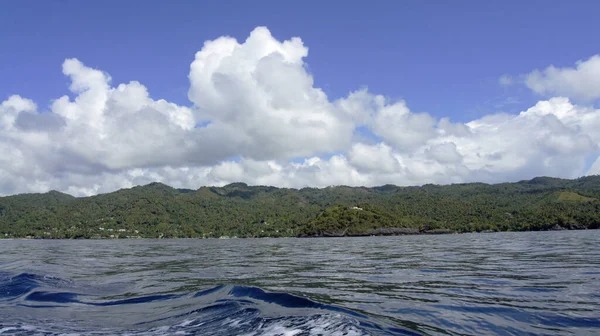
(237, 210)
(572, 196)
(350, 220)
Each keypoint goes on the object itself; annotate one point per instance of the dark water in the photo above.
(508, 283)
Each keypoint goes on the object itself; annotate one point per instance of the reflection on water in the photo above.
(501, 283)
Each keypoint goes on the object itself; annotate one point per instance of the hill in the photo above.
(239, 210)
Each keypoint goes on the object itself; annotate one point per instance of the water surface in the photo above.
(539, 283)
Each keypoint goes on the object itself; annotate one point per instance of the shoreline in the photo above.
(383, 232)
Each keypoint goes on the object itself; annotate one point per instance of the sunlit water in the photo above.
(501, 283)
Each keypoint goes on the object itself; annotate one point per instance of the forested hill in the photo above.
(238, 210)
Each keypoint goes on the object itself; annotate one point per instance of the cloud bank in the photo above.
(256, 116)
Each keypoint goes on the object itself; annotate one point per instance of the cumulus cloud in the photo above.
(378, 158)
(581, 82)
(595, 168)
(444, 153)
(261, 91)
(255, 116)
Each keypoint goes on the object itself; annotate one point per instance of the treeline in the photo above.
(237, 210)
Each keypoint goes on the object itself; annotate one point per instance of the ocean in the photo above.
(525, 283)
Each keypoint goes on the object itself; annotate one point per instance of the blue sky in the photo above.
(442, 57)
(413, 93)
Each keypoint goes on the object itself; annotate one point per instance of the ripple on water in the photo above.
(508, 283)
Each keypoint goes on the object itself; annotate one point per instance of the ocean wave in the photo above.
(33, 304)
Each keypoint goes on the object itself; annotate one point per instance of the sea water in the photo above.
(529, 283)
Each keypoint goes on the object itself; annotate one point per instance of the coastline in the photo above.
(381, 232)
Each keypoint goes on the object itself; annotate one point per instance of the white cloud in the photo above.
(402, 128)
(11, 108)
(379, 158)
(260, 90)
(581, 82)
(595, 168)
(257, 102)
(444, 153)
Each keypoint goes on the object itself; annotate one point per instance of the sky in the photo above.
(101, 95)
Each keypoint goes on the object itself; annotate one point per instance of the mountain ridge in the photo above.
(539, 180)
(158, 210)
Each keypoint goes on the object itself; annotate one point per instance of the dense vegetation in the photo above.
(238, 210)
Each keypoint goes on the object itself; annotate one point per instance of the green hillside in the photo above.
(569, 196)
(239, 210)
